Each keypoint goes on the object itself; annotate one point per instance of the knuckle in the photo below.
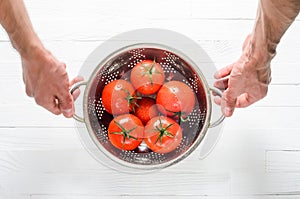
(63, 77)
(28, 92)
(63, 65)
(68, 99)
(263, 92)
(229, 99)
(39, 100)
(263, 95)
(67, 102)
(56, 111)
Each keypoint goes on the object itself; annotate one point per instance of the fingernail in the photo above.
(67, 112)
(228, 111)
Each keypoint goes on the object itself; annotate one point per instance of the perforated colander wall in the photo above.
(119, 67)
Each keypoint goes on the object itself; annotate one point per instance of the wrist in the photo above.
(261, 50)
(28, 45)
(257, 56)
(34, 50)
(34, 56)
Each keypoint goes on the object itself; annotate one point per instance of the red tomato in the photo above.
(146, 109)
(118, 97)
(162, 134)
(175, 98)
(147, 77)
(125, 132)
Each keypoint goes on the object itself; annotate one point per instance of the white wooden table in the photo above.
(258, 155)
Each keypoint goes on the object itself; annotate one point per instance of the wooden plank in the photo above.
(214, 9)
(5, 195)
(31, 115)
(245, 149)
(109, 182)
(261, 140)
(40, 139)
(281, 95)
(109, 9)
(265, 118)
(152, 196)
(283, 161)
(57, 160)
(265, 184)
(34, 196)
(163, 9)
(285, 73)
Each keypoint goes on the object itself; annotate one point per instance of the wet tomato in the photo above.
(162, 134)
(118, 97)
(126, 132)
(175, 98)
(146, 109)
(147, 77)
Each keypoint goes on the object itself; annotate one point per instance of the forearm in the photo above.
(16, 22)
(273, 19)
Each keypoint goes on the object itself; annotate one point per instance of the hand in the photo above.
(47, 81)
(245, 81)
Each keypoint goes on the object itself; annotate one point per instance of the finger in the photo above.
(228, 102)
(51, 104)
(221, 84)
(245, 100)
(66, 100)
(76, 94)
(76, 79)
(223, 72)
(28, 91)
(54, 107)
(66, 104)
(217, 100)
(64, 96)
(242, 101)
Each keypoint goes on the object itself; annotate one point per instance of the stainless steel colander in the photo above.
(117, 65)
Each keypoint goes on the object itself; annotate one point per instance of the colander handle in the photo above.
(220, 120)
(71, 90)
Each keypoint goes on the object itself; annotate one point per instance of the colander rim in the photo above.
(180, 157)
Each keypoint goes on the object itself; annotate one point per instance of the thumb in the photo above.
(228, 102)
